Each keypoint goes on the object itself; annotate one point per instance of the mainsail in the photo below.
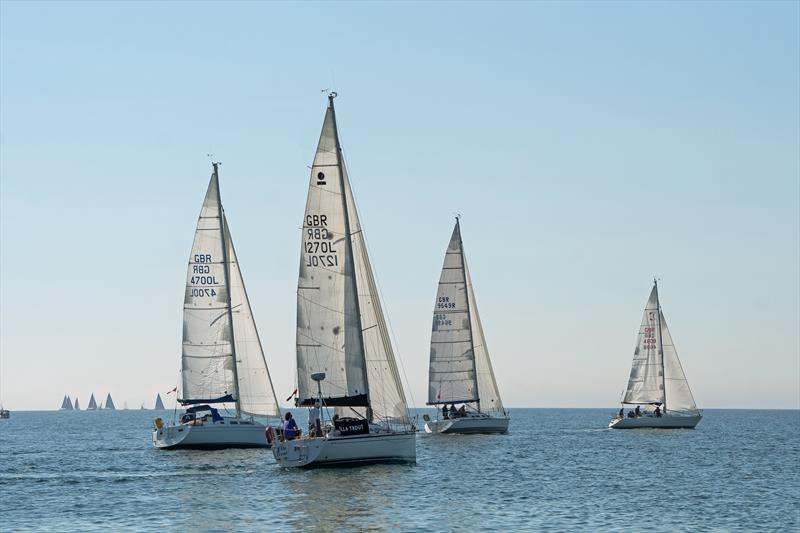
(109, 402)
(460, 369)
(656, 374)
(159, 404)
(77, 405)
(341, 330)
(208, 370)
(66, 404)
(223, 360)
(92, 403)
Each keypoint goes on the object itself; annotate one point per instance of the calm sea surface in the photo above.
(558, 469)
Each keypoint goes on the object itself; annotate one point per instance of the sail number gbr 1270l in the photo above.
(317, 245)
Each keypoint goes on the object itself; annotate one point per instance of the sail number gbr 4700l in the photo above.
(317, 245)
(202, 279)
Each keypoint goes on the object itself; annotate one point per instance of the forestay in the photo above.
(207, 362)
(646, 383)
(255, 392)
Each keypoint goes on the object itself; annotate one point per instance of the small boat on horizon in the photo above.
(159, 405)
(77, 405)
(109, 403)
(4, 413)
(66, 404)
(657, 381)
(345, 359)
(92, 404)
(460, 368)
(222, 360)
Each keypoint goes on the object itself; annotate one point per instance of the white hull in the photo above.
(212, 436)
(468, 424)
(347, 451)
(665, 422)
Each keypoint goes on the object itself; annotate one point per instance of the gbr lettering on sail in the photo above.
(317, 243)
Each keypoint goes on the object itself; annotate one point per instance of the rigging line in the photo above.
(378, 286)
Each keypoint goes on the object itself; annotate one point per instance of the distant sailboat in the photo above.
(344, 354)
(657, 379)
(159, 404)
(460, 368)
(109, 403)
(77, 404)
(92, 404)
(66, 405)
(4, 413)
(222, 358)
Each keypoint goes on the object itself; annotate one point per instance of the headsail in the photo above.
(207, 362)
(451, 375)
(646, 382)
(341, 329)
(109, 402)
(678, 394)
(487, 384)
(256, 394)
(159, 404)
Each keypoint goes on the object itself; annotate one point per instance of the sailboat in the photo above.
(222, 359)
(345, 359)
(92, 404)
(159, 404)
(66, 405)
(109, 403)
(4, 413)
(460, 369)
(657, 380)
(77, 404)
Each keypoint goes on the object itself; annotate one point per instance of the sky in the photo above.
(588, 147)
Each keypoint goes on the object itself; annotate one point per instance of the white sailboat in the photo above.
(222, 358)
(92, 404)
(66, 405)
(109, 403)
(345, 359)
(159, 404)
(657, 380)
(460, 369)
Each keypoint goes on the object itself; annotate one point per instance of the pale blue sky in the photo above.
(589, 146)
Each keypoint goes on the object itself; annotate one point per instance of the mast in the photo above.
(469, 313)
(226, 274)
(661, 348)
(349, 244)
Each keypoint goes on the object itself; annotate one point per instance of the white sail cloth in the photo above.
(657, 379)
(255, 391)
(218, 321)
(460, 368)
(207, 359)
(341, 329)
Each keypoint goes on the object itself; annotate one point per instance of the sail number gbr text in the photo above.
(317, 246)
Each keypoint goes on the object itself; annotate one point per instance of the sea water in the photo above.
(557, 469)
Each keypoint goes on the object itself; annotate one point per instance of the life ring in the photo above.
(270, 435)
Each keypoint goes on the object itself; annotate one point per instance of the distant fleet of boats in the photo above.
(68, 405)
(347, 375)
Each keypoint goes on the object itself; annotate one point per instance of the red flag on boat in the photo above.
(173, 390)
(291, 395)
